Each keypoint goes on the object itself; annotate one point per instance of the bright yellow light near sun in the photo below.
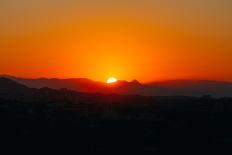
(111, 80)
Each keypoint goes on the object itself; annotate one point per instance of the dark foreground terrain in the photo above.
(115, 123)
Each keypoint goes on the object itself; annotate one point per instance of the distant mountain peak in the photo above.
(135, 82)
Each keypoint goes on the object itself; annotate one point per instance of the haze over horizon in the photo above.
(105, 81)
(146, 40)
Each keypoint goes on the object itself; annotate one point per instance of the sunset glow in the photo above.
(152, 76)
(144, 40)
(111, 80)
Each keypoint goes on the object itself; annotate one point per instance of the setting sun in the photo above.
(111, 80)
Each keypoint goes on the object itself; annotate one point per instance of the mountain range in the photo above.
(163, 88)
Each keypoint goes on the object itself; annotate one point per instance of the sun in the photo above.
(111, 80)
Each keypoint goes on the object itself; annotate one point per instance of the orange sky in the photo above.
(145, 40)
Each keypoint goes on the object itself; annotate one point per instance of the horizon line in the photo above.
(154, 81)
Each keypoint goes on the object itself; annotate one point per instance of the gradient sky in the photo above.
(147, 40)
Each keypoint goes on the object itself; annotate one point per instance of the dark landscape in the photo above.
(113, 122)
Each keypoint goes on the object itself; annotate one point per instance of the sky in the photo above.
(147, 40)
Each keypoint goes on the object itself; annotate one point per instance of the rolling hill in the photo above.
(163, 88)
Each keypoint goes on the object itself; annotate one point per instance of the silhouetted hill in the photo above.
(80, 85)
(196, 87)
(163, 88)
(7, 84)
(12, 89)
